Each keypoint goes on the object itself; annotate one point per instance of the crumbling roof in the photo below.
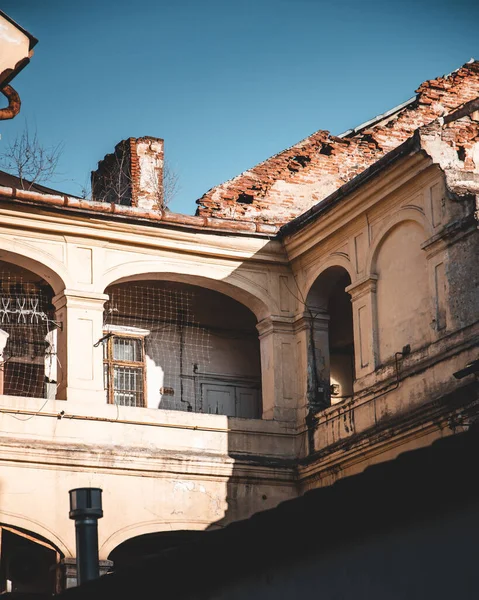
(301, 182)
(289, 183)
(451, 142)
(419, 486)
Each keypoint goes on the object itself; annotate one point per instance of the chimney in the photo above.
(132, 175)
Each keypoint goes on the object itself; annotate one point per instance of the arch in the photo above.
(191, 348)
(330, 372)
(403, 215)
(52, 271)
(402, 298)
(22, 522)
(28, 349)
(333, 260)
(247, 293)
(137, 548)
(147, 527)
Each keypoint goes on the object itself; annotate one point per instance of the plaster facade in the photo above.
(358, 314)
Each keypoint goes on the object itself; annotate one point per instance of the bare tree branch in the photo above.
(29, 160)
(171, 183)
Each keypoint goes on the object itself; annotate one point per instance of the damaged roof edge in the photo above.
(410, 146)
(65, 203)
(378, 118)
(394, 110)
(345, 134)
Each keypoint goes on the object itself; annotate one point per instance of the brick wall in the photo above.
(132, 174)
(287, 184)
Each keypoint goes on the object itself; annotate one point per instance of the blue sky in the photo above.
(225, 83)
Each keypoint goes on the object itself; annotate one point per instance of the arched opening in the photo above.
(172, 345)
(28, 336)
(403, 295)
(28, 563)
(132, 552)
(331, 344)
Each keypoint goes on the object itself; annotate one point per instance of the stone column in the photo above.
(279, 371)
(312, 332)
(363, 298)
(81, 363)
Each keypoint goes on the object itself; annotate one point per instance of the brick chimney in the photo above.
(132, 175)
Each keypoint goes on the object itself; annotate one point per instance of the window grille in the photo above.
(124, 370)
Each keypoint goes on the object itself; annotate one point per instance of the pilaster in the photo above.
(279, 370)
(80, 361)
(363, 298)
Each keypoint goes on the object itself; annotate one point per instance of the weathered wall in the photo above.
(405, 240)
(160, 469)
(402, 295)
(408, 244)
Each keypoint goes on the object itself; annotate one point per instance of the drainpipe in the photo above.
(14, 103)
(86, 509)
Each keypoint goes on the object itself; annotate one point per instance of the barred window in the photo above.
(124, 370)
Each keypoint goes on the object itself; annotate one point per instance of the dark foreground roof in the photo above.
(417, 486)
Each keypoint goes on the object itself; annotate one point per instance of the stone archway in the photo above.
(331, 343)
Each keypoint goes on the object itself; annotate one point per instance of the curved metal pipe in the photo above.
(14, 103)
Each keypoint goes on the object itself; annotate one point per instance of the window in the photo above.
(124, 370)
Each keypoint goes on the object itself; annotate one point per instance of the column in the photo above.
(81, 363)
(279, 371)
(363, 298)
(312, 331)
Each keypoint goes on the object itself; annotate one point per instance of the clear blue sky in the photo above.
(225, 83)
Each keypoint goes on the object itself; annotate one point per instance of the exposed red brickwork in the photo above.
(452, 143)
(454, 146)
(292, 181)
(134, 171)
(132, 175)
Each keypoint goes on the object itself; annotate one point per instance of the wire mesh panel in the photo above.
(162, 320)
(28, 356)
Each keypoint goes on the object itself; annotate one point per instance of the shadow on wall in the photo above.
(201, 354)
(177, 346)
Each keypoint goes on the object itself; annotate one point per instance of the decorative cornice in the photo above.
(275, 324)
(364, 286)
(78, 299)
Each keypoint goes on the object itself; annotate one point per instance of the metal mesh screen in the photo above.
(28, 355)
(163, 319)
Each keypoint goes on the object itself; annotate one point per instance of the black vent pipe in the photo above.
(86, 509)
